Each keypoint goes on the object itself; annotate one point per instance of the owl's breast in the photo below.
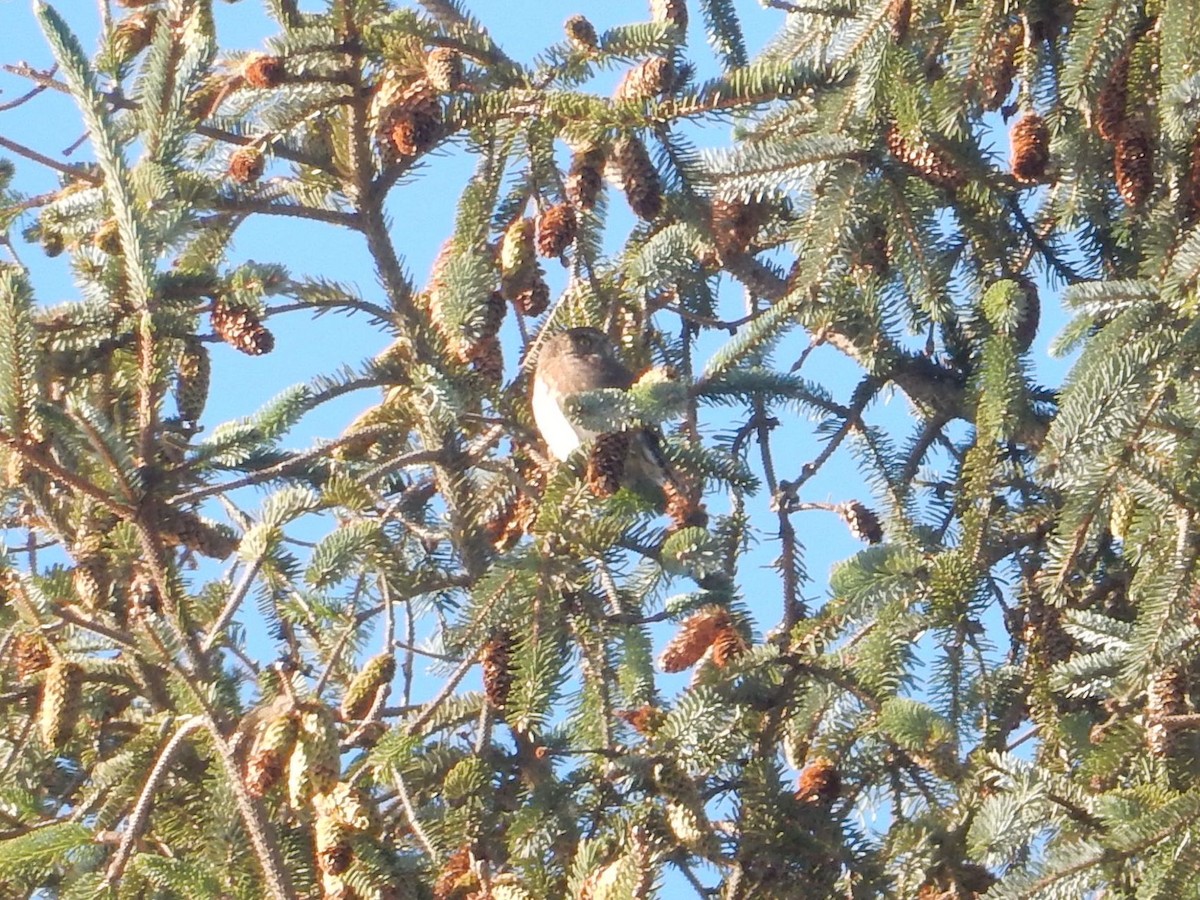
(561, 435)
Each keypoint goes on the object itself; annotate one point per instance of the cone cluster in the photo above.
(696, 635)
(246, 165)
(639, 178)
(374, 679)
(606, 463)
(819, 783)
(241, 328)
(496, 658)
(556, 229)
(1030, 148)
(581, 34)
(645, 81)
(585, 177)
(931, 162)
(861, 521)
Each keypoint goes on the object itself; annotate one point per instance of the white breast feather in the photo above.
(561, 435)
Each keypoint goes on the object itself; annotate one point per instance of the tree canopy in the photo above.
(212, 638)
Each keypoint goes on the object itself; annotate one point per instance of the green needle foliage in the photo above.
(211, 641)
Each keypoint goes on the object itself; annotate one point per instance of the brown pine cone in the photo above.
(496, 659)
(487, 358)
(192, 375)
(415, 122)
(360, 696)
(246, 165)
(696, 634)
(1166, 695)
(534, 299)
(264, 71)
(241, 328)
(674, 12)
(518, 258)
(1133, 162)
(606, 463)
(931, 162)
(132, 35)
(727, 646)
(556, 228)
(735, 223)
(900, 18)
(684, 507)
(31, 654)
(646, 719)
(863, 523)
(1030, 148)
(819, 782)
(585, 177)
(1111, 103)
(494, 309)
(332, 844)
(268, 757)
(444, 69)
(581, 34)
(61, 700)
(997, 79)
(645, 81)
(639, 178)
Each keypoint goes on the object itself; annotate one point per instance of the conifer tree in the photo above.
(995, 696)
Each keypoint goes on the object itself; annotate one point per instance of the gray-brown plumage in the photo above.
(584, 359)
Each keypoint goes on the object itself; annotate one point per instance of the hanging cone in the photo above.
(315, 763)
(863, 523)
(606, 463)
(62, 698)
(331, 838)
(673, 12)
(192, 375)
(556, 228)
(581, 34)
(696, 634)
(684, 507)
(1030, 148)
(996, 82)
(585, 177)
(1133, 162)
(132, 35)
(639, 178)
(267, 760)
(735, 223)
(645, 81)
(414, 124)
(727, 646)
(241, 328)
(932, 163)
(1110, 104)
(30, 654)
(518, 260)
(487, 358)
(496, 659)
(1190, 193)
(360, 696)
(1166, 695)
(444, 69)
(264, 71)
(494, 309)
(899, 16)
(534, 299)
(819, 782)
(246, 165)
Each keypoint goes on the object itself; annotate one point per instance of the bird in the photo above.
(584, 359)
